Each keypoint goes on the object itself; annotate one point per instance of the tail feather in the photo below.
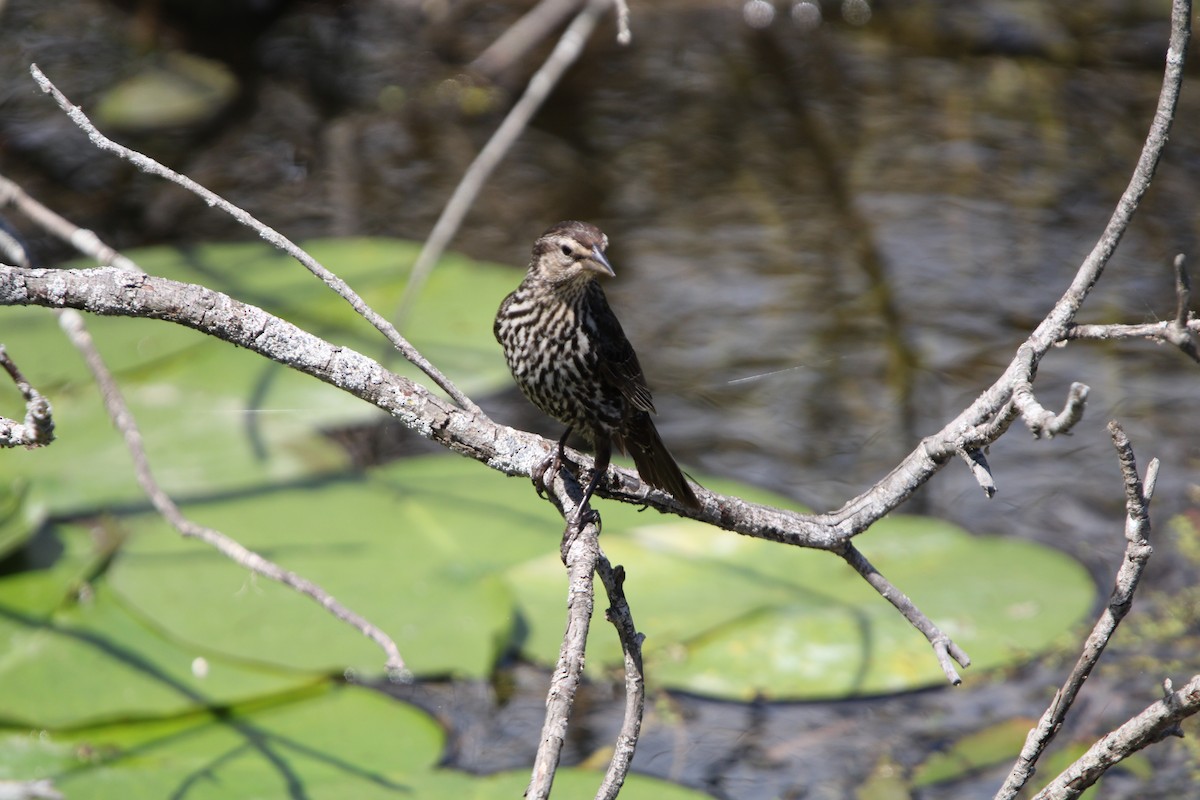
(655, 465)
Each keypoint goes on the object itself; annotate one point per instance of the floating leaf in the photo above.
(454, 560)
(216, 418)
(343, 742)
(995, 744)
(337, 743)
(91, 661)
(16, 526)
(183, 90)
(736, 617)
(416, 547)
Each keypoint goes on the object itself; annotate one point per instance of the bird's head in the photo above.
(570, 252)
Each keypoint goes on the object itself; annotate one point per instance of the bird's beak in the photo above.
(598, 263)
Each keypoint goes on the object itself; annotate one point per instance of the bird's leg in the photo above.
(551, 464)
(584, 513)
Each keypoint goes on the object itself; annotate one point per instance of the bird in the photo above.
(570, 357)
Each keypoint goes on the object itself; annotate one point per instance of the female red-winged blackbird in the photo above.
(570, 357)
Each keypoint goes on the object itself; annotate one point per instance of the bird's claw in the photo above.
(538, 474)
(552, 464)
(585, 515)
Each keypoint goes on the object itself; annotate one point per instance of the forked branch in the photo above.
(1137, 553)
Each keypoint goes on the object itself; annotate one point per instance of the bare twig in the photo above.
(936, 450)
(1180, 331)
(1137, 554)
(1041, 421)
(977, 463)
(540, 85)
(38, 428)
(1037, 418)
(522, 35)
(943, 647)
(1146, 330)
(71, 322)
(1183, 291)
(73, 325)
(1158, 721)
(620, 615)
(581, 554)
(624, 34)
(152, 167)
(81, 239)
(581, 550)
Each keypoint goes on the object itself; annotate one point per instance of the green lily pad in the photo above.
(183, 90)
(342, 742)
(416, 547)
(339, 742)
(91, 661)
(735, 617)
(993, 745)
(451, 324)
(16, 526)
(215, 418)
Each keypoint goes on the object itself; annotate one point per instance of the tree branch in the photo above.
(974, 425)
(38, 428)
(565, 53)
(1158, 721)
(1137, 554)
(620, 615)
(943, 648)
(72, 324)
(152, 167)
(581, 551)
(1180, 332)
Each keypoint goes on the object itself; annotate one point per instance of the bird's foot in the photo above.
(538, 474)
(552, 464)
(585, 515)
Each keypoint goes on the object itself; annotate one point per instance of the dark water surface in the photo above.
(828, 241)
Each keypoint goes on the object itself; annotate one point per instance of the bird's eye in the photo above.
(566, 249)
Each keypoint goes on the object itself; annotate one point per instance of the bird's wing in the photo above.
(618, 363)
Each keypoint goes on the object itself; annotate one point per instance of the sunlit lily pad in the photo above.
(86, 661)
(335, 743)
(182, 90)
(438, 549)
(994, 745)
(16, 526)
(216, 418)
(734, 617)
(345, 742)
(416, 547)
